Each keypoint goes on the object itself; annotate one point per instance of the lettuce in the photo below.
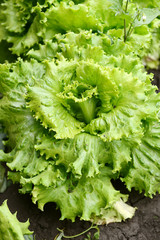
(54, 180)
(152, 60)
(25, 25)
(10, 227)
(76, 124)
(78, 108)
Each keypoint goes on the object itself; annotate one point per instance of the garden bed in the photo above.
(145, 225)
(79, 112)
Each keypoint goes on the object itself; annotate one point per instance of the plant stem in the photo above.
(126, 6)
(77, 235)
(130, 30)
(125, 32)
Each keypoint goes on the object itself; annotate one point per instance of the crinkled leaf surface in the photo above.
(10, 227)
(118, 212)
(111, 110)
(83, 154)
(97, 193)
(144, 173)
(27, 24)
(47, 173)
(70, 120)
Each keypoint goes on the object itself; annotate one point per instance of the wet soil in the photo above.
(145, 225)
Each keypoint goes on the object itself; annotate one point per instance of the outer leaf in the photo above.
(95, 15)
(120, 154)
(69, 17)
(23, 128)
(100, 48)
(85, 200)
(48, 177)
(148, 15)
(17, 13)
(139, 41)
(23, 42)
(144, 173)
(10, 227)
(21, 24)
(81, 46)
(118, 212)
(84, 154)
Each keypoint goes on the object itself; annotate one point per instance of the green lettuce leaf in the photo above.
(45, 172)
(144, 171)
(10, 227)
(83, 154)
(20, 24)
(84, 112)
(81, 46)
(148, 3)
(151, 60)
(117, 213)
(100, 48)
(27, 24)
(23, 128)
(20, 13)
(85, 200)
(107, 107)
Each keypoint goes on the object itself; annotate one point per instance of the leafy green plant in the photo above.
(10, 227)
(82, 110)
(152, 60)
(69, 121)
(27, 24)
(140, 17)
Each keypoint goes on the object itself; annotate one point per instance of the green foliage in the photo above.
(27, 24)
(3, 180)
(10, 227)
(69, 121)
(78, 108)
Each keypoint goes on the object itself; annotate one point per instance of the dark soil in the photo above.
(156, 73)
(145, 225)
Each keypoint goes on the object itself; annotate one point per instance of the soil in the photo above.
(145, 225)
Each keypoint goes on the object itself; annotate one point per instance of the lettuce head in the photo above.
(78, 115)
(78, 108)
